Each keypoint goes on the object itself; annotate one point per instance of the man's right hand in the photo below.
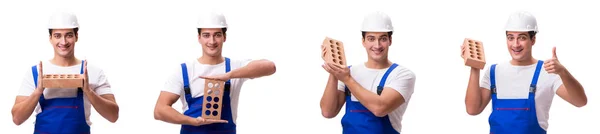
(201, 121)
(40, 88)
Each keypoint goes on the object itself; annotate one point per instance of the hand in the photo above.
(553, 65)
(201, 121)
(40, 87)
(221, 77)
(86, 85)
(340, 73)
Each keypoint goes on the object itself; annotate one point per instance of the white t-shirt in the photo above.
(400, 79)
(512, 82)
(97, 81)
(195, 69)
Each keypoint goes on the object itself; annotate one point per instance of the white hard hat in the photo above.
(521, 22)
(63, 20)
(212, 20)
(377, 22)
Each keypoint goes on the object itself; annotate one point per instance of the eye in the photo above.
(510, 38)
(205, 36)
(384, 39)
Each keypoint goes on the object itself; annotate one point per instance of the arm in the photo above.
(24, 106)
(571, 90)
(332, 99)
(105, 104)
(477, 98)
(380, 105)
(254, 69)
(164, 111)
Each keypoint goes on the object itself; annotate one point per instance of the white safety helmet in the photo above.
(521, 21)
(63, 20)
(211, 20)
(377, 22)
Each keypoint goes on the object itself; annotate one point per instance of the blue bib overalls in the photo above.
(359, 120)
(514, 116)
(195, 108)
(61, 115)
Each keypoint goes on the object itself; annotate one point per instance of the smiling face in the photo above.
(519, 45)
(212, 40)
(377, 44)
(63, 42)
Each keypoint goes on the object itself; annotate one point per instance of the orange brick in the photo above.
(332, 51)
(213, 99)
(474, 55)
(62, 80)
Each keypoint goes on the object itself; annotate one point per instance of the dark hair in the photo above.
(222, 29)
(389, 34)
(531, 34)
(74, 31)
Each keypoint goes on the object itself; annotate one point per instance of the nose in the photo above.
(212, 40)
(62, 41)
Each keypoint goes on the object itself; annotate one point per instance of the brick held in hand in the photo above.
(332, 51)
(213, 99)
(474, 55)
(62, 81)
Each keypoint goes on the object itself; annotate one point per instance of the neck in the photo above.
(211, 60)
(64, 61)
(525, 62)
(373, 64)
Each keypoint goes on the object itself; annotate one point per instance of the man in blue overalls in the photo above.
(376, 92)
(521, 89)
(64, 111)
(187, 82)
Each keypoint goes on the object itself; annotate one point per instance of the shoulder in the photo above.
(239, 62)
(404, 72)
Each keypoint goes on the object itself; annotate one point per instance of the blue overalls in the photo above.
(195, 108)
(515, 116)
(359, 120)
(61, 115)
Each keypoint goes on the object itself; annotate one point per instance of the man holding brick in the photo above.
(188, 81)
(521, 89)
(376, 93)
(64, 110)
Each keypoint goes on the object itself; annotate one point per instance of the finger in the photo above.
(551, 70)
(554, 53)
(217, 121)
(41, 70)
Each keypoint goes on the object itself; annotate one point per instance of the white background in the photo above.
(138, 43)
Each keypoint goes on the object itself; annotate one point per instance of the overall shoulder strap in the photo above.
(493, 78)
(34, 72)
(536, 75)
(186, 83)
(384, 78)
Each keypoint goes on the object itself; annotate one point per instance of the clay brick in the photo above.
(332, 51)
(474, 55)
(213, 99)
(62, 80)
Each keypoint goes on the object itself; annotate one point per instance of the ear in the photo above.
(76, 37)
(224, 37)
(533, 40)
(363, 42)
(199, 39)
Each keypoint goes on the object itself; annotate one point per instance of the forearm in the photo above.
(574, 89)
(168, 114)
(473, 99)
(23, 110)
(254, 69)
(370, 100)
(330, 101)
(105, 107)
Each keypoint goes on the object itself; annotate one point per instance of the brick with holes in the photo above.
(213, 99)
(474, 55)
(62, 80)
(332, 51)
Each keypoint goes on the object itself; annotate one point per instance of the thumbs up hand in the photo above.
(552, 65)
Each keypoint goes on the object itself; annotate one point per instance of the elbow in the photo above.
(328, 115)
(17, 121)
(473, 111)
(583, 103)
(380, 111)
(114, 119)
(157, 114)
(270, 66)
